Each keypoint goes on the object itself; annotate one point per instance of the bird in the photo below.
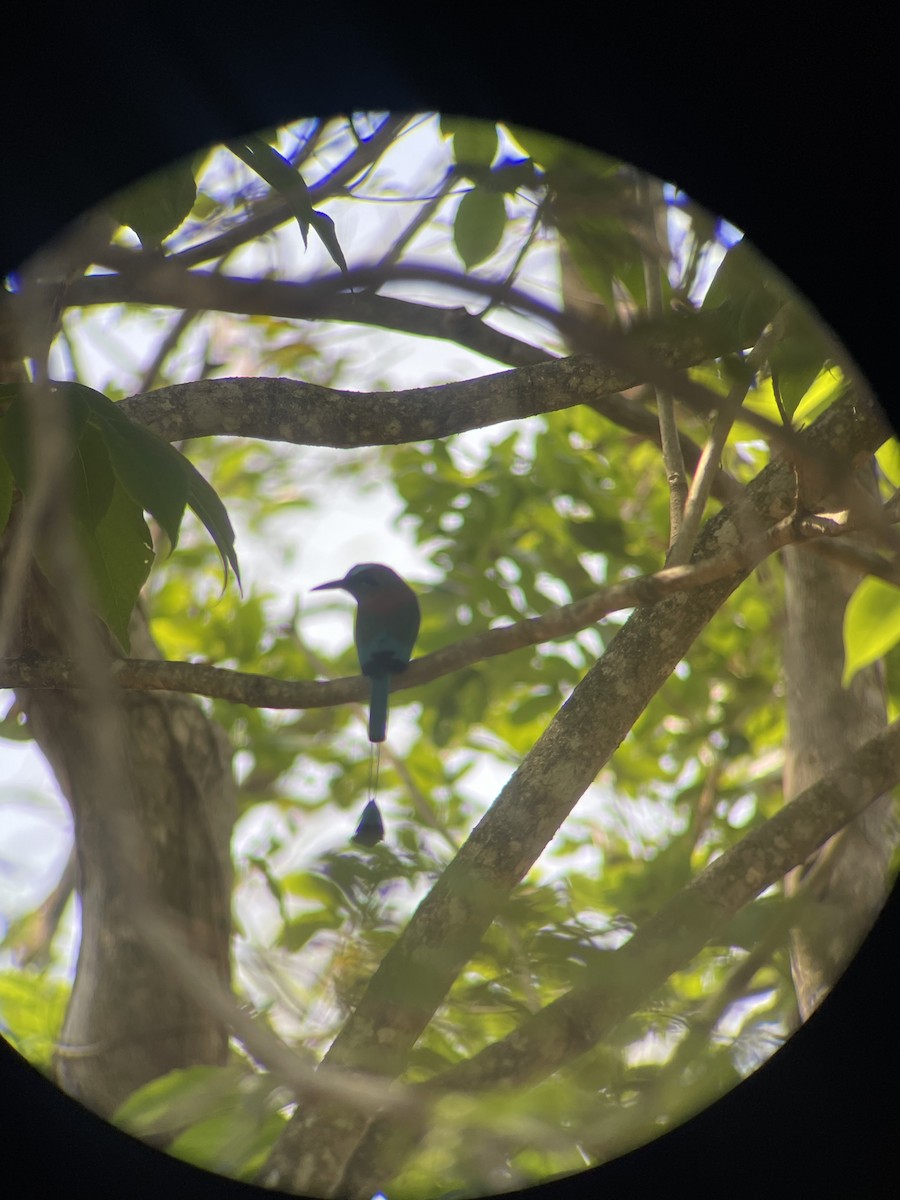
(387, 625)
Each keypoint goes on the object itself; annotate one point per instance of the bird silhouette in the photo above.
(387, 624)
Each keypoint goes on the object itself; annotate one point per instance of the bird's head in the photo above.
(366, 580)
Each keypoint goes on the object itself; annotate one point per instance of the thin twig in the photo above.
(650, 197)
(702, 481)
(425, 213)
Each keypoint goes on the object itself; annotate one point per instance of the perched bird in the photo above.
(387, 623)
(370, 830)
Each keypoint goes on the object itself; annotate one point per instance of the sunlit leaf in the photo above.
(871, 625)
(888, 456)
(179, 1098)
(32, 1007)
(233, 1143)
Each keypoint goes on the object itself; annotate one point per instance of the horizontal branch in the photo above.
(262, 691)
(643, 354)
(308, 414)
(140, 280)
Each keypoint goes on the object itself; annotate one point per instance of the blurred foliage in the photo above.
(32, 1006)
(509, 523)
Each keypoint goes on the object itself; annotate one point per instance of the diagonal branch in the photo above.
(694, 504)
(273, 210)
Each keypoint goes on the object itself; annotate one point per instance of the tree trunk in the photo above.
(846, 883)
(128, 1021)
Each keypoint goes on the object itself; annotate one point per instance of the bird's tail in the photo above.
(378, 707)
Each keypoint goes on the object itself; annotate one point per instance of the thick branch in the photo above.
(308, 414)
(651, 352)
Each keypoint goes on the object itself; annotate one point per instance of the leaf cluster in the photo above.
(118, 471)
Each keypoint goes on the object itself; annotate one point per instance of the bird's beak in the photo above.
(322, 587)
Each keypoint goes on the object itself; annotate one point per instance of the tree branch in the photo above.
(149, 281)
(694, 504)
(273, 210)
(263, 691)
(650, 352)
(649, 195)
(308, 414)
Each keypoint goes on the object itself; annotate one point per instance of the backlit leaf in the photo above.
(871, 625)
(478, 228)
(155, 206)
(119, 552)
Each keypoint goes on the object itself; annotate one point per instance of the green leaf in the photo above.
(32, 1007)
(798, 357)
(209, 508)
(296, 932)
(14, 444)
(544, 148)
(750, 287)
(509, 175)
(149, 469)
(474, 142)
(93, 480)
(285, 179)
(278, 173)
(324, 227)
(178, 1098)
(119, 551)
(155, 475)
(888, 457)
(478, 228)
(109, 522)
(312, 885)
(234, 1143)
(871, 625)
(156, 205)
